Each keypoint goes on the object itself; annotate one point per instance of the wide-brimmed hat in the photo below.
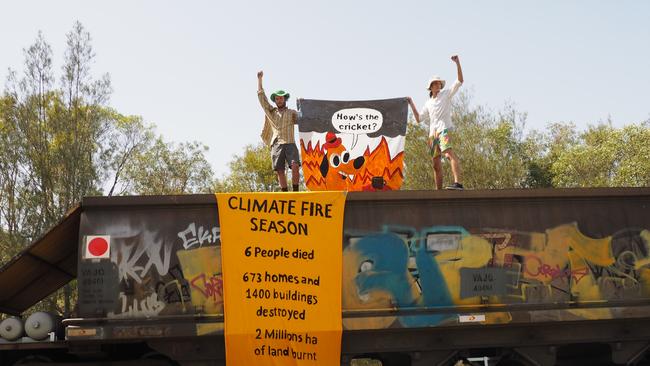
(331, 140)
(436, 78)
(280, 93)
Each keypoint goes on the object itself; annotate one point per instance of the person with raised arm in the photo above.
(437, 113)
(278, 133)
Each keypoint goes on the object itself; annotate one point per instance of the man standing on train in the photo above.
(278, 133)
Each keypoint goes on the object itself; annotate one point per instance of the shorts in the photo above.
(443, 140)
(284, 153)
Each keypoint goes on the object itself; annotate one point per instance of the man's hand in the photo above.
(459, 70)
(416, 115)
(433, 138)
(260, 74)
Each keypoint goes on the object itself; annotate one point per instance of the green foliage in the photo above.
(250, 172)
(544, 149)
(168, 169)
(125, 144)
(633, 164)
(604, 156)
(489, 146)
(418, 167)
(50, 142)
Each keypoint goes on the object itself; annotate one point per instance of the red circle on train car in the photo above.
(98, 246)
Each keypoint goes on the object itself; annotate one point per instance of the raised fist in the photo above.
(260, 74)
(454, 58)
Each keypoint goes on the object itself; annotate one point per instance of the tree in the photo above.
(12, 208)
(542, 149)
(604, 156)
(83, 116)
(49, 142)
(54, 131)
(250, 172)
(128, 139)
(633, 156)
(418, 168)
(167, 169)
(27, 131)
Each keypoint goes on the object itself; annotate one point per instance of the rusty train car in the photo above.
(523, 277)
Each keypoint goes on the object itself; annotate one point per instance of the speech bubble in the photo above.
(357, 121)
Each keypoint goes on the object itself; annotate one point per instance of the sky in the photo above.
(189, 67)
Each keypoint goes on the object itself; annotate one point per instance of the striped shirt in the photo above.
(278, 124)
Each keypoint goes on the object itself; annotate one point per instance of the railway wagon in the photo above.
(520, 277)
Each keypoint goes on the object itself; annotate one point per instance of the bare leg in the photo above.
(455, 165)
(295, 173)
(437, 171)
(282, 179)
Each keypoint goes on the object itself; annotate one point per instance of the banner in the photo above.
(281, 265)
(344, 145)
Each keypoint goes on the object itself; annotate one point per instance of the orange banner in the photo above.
(281, 262)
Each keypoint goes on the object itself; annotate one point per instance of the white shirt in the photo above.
(437, 111)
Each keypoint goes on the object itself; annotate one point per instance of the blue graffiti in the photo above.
(384, 266)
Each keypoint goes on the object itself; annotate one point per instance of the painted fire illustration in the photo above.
(352, 145)
(331, 167)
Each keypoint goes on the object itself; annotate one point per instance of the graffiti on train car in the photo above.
(202, 268)
(149, 306)
(175, 290)
(445, 266)
(164, 271)
(193, 236)
(161, 271)
(135, 261)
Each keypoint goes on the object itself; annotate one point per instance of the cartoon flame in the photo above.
(377, 164)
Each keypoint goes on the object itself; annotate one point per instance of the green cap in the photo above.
(280, 93)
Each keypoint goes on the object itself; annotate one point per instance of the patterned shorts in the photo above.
(443, 141)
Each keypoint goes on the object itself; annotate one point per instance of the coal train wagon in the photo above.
(522, 277)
